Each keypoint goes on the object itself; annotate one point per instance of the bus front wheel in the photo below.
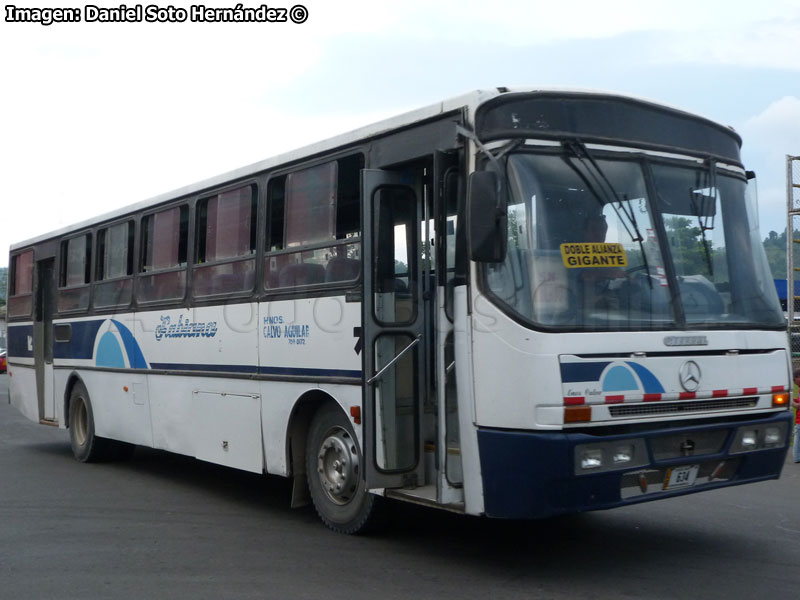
(334, 473)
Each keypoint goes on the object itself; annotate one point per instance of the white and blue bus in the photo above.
(516, 303)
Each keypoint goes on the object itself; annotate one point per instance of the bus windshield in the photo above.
(625, 244)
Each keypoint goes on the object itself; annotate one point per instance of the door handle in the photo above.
(378, 375)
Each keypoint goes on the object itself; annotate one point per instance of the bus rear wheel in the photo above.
(86, 446)
(334, 474)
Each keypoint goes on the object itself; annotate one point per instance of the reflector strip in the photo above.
(574, 401)
(670, 396)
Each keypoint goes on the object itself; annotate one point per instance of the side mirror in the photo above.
(487, 217)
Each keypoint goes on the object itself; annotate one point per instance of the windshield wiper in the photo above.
(706, 193)
(599, 184)
(602, 188)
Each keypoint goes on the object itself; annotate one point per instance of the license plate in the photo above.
(678, 477)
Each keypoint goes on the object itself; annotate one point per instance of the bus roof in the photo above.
(469, 101)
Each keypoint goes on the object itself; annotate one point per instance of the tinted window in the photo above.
(164, 249)
(21, 285)
(314, 225)
(226, 242)
(75, 273)
(114, 284)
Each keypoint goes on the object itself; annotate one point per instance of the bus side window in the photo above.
(162, 274)
(226, 242)
(20, 290)
(114, 266)
(75, 273)
(313, 223)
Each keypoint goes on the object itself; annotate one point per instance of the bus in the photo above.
(517, 303)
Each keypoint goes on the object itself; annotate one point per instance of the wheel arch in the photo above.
(303, 411)
(72, 381)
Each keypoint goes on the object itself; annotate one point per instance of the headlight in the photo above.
(592, 458)
(623, 454)
(772, 436)
(749, 439)
(610, 456)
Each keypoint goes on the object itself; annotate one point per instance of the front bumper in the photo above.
(536, 474)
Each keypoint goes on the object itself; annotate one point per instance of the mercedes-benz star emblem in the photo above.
(690, 376)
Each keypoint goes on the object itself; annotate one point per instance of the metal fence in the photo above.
(792, 270)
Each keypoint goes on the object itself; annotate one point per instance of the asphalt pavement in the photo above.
(168, 526)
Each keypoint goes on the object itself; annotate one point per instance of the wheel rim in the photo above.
(80, 421)
(338, 466)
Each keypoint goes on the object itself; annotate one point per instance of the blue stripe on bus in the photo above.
(201, 367)
(309, 372)
(253, 369)
(84, 333)
(18, 341)
(81, 340)
(649, 381)
(134, 352)
(582, 371)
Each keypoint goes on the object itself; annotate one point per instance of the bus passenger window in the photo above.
(114, 266)
(314, 229)
(162, 275)
(75, 273)
(20, 291)
(226, 243)
(311, 205)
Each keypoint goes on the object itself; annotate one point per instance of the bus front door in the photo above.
(393, 328)
(43, 338)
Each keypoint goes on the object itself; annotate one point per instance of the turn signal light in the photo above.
(577, 414)
(780, 400)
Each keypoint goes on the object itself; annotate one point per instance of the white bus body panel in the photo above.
(309, 337)
(220, 338)
(49, 399)
(279, 400)
(227, 429)
(518, 379)
(22, 385)
(232, 412)
(120, 404)
(470, 457)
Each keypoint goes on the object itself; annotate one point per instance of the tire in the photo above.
(86, 446)
(335, 476)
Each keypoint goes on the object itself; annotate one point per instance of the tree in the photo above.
(3, 285)
(688, 248)
(775, 248)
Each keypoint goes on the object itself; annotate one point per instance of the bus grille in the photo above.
(676, 408)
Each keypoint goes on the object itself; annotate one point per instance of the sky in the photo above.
(95, 116)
